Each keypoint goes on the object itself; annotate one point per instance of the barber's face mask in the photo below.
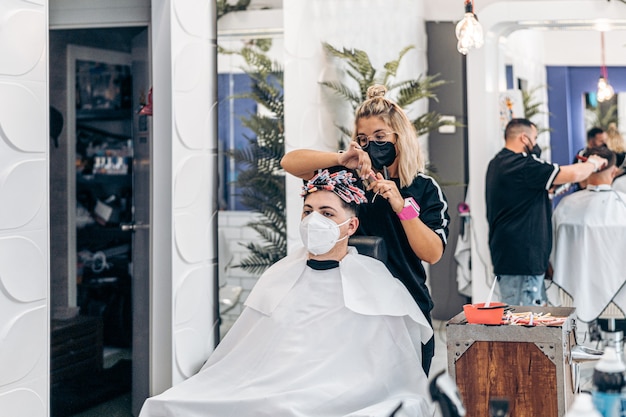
(535, 150)
(319, 234)
(381, 155)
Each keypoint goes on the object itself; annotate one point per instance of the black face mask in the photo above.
(536, 150)
(381, 155)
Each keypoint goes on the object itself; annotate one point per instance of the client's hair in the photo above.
(602, 152)
(344, 183)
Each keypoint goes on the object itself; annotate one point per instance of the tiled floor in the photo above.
(117, 407)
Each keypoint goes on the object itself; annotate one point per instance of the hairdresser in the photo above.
(407, 207)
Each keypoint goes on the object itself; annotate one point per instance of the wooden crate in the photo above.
(531, 366)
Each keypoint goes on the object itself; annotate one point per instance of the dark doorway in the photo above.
(99, 217)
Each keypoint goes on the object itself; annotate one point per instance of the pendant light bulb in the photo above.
(469, 31)
(605, 91)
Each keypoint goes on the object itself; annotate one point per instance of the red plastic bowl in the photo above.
(479, 314)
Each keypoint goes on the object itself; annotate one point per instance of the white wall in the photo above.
(24, 247)
(194, 183)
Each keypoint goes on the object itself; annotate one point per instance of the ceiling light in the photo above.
(605, 91)
(469, 31)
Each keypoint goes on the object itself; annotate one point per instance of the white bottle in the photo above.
(582, 407)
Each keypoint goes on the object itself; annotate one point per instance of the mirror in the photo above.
(261, 31)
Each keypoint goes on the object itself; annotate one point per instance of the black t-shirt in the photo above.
(377, 218)
(519, 212)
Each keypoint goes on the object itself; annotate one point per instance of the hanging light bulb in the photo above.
(605, 91)
(469, 31)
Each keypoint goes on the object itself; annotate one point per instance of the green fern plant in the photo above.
(262, 181)
(359, 68)
(606, 113)
(224, 6)
(533, 107)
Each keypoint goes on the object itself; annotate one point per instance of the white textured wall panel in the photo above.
(194, 159)
(24, 333)
(195, 170)
(23, 402)
(23, 39)
(192, 233)
(23, 188)
(192, 102)
(191, 18)
(191, 295)
(23, 104)
(24, 248)
(22, 269)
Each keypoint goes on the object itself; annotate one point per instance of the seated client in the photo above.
(325, 332)
(589, 230)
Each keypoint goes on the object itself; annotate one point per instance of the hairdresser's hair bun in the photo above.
(376, 90)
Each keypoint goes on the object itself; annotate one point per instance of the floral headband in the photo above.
(339, 182)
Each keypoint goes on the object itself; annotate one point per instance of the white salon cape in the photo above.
(340, 342)
(589, 249)
(620, 184)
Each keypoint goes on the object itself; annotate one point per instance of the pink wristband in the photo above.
(410, 211)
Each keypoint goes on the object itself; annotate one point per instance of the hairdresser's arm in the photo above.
(426, 244)
(580, 171)
(304, 162)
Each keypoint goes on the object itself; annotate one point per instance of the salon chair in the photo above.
(372, 246)
(611, 336)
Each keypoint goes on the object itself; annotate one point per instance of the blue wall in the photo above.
(566, 89)
(229, 112)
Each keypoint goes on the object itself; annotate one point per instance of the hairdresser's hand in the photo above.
(389, 191)
(356, 158)
(599, 162)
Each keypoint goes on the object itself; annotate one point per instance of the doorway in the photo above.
(100, 174)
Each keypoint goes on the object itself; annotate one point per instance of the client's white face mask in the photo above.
(319, 234)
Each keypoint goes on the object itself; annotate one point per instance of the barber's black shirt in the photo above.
(519, 212)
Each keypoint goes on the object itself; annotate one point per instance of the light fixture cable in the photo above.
(605, 90)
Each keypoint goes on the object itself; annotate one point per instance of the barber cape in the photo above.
(588, 254)
(340, 342)
(620, 184)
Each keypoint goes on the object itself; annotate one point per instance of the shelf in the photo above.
(103, 114)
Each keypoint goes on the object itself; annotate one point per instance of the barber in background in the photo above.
(519, 211)
(596, 137)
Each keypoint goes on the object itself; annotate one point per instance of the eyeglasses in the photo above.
(379, 138)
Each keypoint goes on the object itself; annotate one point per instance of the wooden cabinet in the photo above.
(528, 365)
(75, 348)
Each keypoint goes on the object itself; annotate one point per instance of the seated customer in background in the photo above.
(596, 138)
(325, 332)
(589, 229)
